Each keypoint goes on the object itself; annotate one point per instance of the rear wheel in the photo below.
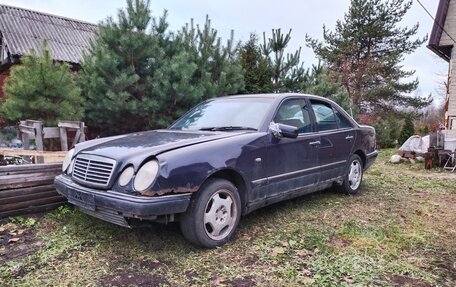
(213, 214)
(353, 176)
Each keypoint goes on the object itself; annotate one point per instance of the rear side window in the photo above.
(324, 116)
(342, 120)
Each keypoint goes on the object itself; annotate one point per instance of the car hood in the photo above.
(145, 144)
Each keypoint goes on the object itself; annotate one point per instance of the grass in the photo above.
(398, 232)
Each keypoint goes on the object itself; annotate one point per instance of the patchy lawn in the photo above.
(399, 231)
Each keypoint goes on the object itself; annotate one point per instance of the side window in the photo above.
(324, 116)
(342, 120)
(294, 113)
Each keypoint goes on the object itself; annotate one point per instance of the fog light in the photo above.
(126, 176)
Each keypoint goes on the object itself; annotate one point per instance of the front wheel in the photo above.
(213, 214)
(353, 176)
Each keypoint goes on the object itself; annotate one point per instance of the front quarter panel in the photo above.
(186, 169)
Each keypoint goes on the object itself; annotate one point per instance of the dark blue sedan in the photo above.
(223, 159)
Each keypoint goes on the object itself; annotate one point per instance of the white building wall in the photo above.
(450, 25)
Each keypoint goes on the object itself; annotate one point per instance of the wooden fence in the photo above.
(28, 189)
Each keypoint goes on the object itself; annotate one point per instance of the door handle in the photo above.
(315, 143)
(349, 138)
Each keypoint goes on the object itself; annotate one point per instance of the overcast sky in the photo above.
(260, 16)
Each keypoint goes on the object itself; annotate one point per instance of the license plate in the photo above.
(81, 199)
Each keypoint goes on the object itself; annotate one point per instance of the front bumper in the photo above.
(118, 205)
(370, 158)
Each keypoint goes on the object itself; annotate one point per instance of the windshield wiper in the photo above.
(227, 128)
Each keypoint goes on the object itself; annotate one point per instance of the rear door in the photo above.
(336, 140)
(292, 163)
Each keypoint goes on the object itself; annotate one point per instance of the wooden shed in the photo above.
(23, 30)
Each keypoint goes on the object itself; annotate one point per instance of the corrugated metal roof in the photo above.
(24, 30)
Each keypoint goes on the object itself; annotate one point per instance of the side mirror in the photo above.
(283, 131)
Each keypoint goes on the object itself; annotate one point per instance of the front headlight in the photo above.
(67, 160)
(126, 176)
(146, 175)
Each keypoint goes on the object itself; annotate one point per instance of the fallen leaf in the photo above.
(302, 252)
(279, 250)
(12, 233)
(284, 243)
(2, 229)
(217, 281)
(308, 281)
(15, 239)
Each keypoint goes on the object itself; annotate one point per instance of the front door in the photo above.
(292, 163)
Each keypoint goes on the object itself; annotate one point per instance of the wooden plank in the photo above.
(83, 132)
(28, 176)
(25, 191)
(39, 140)
(33, 209)
(30, 203)
(27, 168)
(25, 140)
(27, 130)
(69, 124)
(38, 176)
(63, 139)
(20, 183)
(51, 132)
(29, 184)
(28, 197)
(77, 138)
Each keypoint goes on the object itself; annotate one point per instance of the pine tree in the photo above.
(139, 76)
(407, 130)
(287, 69)
(257, 71)
(365, 52)
(318, 81)
(41, 89)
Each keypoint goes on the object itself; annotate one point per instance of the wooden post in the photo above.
(38, 126)
(82, 128)
(63, 138)
(24, 136)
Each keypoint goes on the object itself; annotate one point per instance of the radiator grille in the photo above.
(93, 170)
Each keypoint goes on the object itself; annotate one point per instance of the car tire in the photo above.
(353, 176)
(213, 214)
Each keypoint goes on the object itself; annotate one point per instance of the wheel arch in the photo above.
(362, 155)
(235, 178)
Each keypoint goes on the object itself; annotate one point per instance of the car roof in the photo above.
(277, 96)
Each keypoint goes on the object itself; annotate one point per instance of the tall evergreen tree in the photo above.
(287, 69)
(41, 89)
(138, 75)
(408, 130)
(318, 81)
(365, 52)
(257, 71)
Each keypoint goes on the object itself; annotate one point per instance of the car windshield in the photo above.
(225, 114)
